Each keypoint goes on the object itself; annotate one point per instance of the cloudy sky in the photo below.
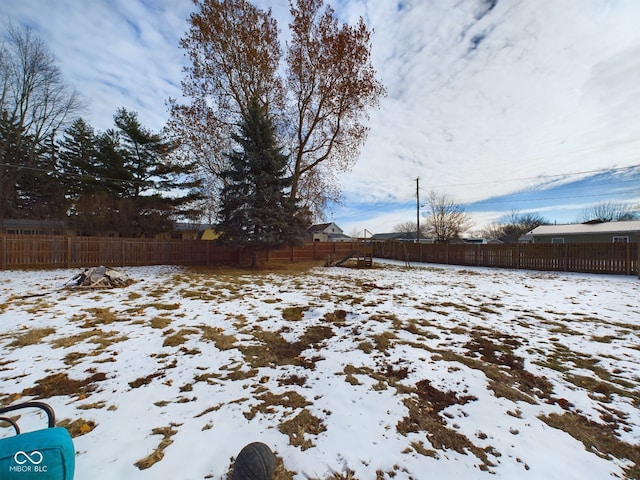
(527, 105)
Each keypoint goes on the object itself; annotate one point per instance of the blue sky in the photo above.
(527, 105)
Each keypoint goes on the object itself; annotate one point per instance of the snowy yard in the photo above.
(428, 372)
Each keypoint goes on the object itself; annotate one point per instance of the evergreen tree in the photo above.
(77, 160)
(43, 199)
(13, 154)
(28, 185)
(256, 211)
(129, 181)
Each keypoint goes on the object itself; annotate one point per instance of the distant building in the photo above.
(402, 237)
(327, 232)
(190, 231)
(590, 232)
(10, 226)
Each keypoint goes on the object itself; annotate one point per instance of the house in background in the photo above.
(35, 227)
(589, 232)
(398, 236)
(327, 232)
(190, 231)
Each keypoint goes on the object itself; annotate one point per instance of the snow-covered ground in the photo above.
(391, 372)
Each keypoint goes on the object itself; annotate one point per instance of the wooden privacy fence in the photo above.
(616, 258)
(30, 251)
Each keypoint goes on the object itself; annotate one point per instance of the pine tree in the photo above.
(77, 160)
(125, 180)
(256, 210)
(13, 155)
(43, 199)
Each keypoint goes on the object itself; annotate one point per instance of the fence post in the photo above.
(4, 252)
(68, 252)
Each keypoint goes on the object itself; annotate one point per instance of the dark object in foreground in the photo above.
(46, 454)
(255, 461)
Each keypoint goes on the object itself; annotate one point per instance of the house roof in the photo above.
(632, 226)
(395, 236)
(336, 236)
(321, 227)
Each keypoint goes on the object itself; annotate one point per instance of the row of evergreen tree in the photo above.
(124, 181)
(129, 182)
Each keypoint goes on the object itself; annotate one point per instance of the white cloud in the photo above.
(537, 96)
(117, 54)
(481, 102)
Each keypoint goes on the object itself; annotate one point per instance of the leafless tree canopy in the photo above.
(332, 85)
(514, 226)
(33, 95)
(445, 218)
(235, 54)
(35, 104)
(318, 95)
(610, 212)
(410, 226)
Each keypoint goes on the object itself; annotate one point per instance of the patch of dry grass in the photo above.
(164, 306)
(301, 426)
(141, 381)
(78, 427)
(598, 438)
(59, 384)
(272, 348)
(160, 322)
(382, 341)
(173, 338)
(96, 336)
(424, 415)
(158, 454)
(217, 336)
(31, 336)
(100, 316)
(268, 401)
(293, 314)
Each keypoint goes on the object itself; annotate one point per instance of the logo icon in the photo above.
(35, 457)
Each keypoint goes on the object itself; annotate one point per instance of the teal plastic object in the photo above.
(46, 454)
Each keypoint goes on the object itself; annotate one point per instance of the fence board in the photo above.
(29, 251)
(616, 258)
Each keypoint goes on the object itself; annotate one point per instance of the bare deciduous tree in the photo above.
(235, 54)
(411, 226)
(515, 225)
(33, 93)
(35, 103)
(333, 85)
(445, 218)
(319, 99)
(610, 212)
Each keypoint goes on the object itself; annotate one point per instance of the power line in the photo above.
(75, 175)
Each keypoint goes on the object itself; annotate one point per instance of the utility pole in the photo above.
(418, 210)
